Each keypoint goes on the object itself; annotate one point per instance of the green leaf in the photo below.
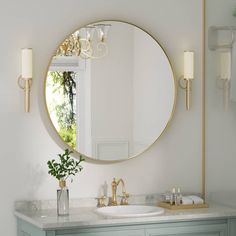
(66, 166)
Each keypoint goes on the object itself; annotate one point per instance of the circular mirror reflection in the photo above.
(110, 91)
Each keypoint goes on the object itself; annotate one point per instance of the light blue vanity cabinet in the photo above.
(27, 229)
(232, 227)
(206, 228)
(104, 232)
(217, 227)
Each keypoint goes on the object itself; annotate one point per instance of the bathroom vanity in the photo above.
(83, 221)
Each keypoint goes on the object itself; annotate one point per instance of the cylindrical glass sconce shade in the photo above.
(225, 65)
(26, 63)
(188, 65)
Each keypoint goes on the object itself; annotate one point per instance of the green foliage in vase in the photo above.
(66, 167)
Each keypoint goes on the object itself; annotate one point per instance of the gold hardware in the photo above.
(25, 84)
(62, 183)
(181, 207)
(114, 185)
(101, 201)
(86, 48)
(25, 79)
(124, 199)
(188, 88)
(188, 92)
(187, 76)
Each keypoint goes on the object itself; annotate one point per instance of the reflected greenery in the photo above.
(63, 87)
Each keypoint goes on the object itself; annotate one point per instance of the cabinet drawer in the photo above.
(199, 230)
(110, 233)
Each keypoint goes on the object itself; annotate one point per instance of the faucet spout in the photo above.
(114, 186)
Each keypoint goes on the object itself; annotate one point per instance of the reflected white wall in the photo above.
(111, 93)
(154, 91)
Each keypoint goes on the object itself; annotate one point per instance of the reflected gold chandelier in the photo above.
(88, 42)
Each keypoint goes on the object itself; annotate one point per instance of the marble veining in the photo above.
(86, 217)
(81, 202)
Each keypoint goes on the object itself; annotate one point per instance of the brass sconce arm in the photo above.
(188, 90)
(224, 85)
(25, 84)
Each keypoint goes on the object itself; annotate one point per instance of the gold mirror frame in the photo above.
(90, 159)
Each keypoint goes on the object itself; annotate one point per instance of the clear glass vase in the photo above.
(62, 199)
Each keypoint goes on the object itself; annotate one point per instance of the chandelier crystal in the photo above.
(88, 42)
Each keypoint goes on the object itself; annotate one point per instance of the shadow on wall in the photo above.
(34, 177)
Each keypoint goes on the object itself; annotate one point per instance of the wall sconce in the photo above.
(225, 75)
(185, 82)
(25, 79)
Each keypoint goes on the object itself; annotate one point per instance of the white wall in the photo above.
(111, 86)
(25, 141)
(154, 91)
(221, 125)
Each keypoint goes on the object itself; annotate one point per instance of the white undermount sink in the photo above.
(130, 211)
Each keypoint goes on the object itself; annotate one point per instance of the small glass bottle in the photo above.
(173, 197)
(179, 197)
(62, 199)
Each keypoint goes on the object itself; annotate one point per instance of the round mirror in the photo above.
(110, 91)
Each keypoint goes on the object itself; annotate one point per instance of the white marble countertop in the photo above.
(86, 217)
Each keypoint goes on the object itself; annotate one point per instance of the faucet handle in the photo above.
(124, 199)
(101, 201)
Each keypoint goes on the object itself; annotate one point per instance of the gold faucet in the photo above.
(114, 185)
